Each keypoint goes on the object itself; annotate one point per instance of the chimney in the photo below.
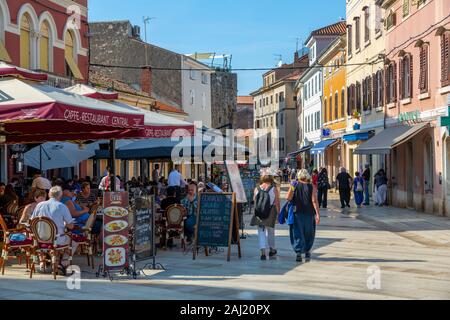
(146, 80)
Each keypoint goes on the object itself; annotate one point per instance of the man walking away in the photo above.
(323, 187)
(344, 184)
(366, 177)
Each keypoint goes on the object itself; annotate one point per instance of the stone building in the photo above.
(118, 43)
(243, 118)
(223, 99)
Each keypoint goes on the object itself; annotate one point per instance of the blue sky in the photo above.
(253, 31)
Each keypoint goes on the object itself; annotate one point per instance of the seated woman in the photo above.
(79, 213)
(38, 197)
(190, 203)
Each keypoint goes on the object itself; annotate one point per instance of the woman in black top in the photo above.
(306, 215)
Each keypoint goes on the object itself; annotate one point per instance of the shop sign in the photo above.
(445, 121)
(326, 132)
(412, 116)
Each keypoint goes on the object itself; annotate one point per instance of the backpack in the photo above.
(359, 185)
(262, 203)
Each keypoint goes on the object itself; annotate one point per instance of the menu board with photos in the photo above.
(115, 231)
(143, 228)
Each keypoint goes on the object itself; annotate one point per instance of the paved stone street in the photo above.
(411, 249)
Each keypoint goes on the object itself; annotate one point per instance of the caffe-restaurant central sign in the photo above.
(412, 116)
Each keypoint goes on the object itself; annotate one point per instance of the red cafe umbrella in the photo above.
(31, 112)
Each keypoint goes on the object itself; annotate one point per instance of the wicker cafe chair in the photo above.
(12, 212)
(174, 218)
(22, 248)
(44, 233)
(86, 240)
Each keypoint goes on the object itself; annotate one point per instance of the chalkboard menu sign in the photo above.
(249, 187)
(143, 229)
(216, 215)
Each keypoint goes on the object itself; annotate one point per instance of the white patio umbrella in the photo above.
(56, 155)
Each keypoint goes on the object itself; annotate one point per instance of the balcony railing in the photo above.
(58, 81)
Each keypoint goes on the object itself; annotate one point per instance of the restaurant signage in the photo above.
(412, 116)
(234, 176)
(217, 219)
(115, 231)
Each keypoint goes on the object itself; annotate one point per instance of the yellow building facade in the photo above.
(334, 106)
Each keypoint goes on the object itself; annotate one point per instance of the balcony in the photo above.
(58, 81)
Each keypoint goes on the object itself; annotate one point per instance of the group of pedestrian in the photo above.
(304, 214)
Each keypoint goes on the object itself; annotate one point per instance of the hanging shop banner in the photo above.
(115, 231)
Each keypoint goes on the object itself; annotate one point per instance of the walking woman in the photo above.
(306, 215)
(267, 206)
(358, 188)
(323, 186)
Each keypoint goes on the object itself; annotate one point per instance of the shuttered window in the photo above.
(364, 89)
(375, 90)
(343, 103)
(358, 97)
(357, 33)
(336, 106)
(394, 82)
(369, 92)
(423, 78)
(445, 63)
(25, 42)
(44, 47)
(350, 39)
(381, 99)
(325, 110)
(72, 68)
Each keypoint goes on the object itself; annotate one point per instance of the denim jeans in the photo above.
(366, 193)
(303, 233)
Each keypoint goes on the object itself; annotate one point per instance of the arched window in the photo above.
(25, 42)
(44, 47)
(428, 165)
(4, 56)
(72, 69)
(343, 103)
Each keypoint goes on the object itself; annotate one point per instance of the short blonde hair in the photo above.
(304, 175)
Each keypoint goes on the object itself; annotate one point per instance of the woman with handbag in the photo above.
(358, 185)
(323, 187)
(306, 215)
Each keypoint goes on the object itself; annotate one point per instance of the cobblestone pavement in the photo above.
(411, 250)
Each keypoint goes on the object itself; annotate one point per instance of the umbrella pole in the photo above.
(40, 158)
(112, 155)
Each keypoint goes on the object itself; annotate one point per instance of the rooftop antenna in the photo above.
(147, 21)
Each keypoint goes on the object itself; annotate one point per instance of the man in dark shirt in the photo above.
(344, 184)
(171, 198)
(366, 177)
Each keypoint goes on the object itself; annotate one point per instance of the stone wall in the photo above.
(223, 98)
(112, 43)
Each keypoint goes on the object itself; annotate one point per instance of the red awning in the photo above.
(28, 111)
(9, 70)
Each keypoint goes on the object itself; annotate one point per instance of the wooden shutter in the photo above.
(349, 101)
(401, 78)
(411, 77)
(369, 93)
(445, 78)
(386, 84)
(422, 69)
(364, 90)
(382, 86)
(394, 81)
(375, 89)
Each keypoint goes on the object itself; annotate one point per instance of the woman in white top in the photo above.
(266, 227)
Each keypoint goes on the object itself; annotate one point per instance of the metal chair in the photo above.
(174, 218)
(25, 247)
(45, 242)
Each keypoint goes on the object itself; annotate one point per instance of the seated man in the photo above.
(190, 203)
(60, 215)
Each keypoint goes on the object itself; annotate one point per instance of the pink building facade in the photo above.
(417, 87)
